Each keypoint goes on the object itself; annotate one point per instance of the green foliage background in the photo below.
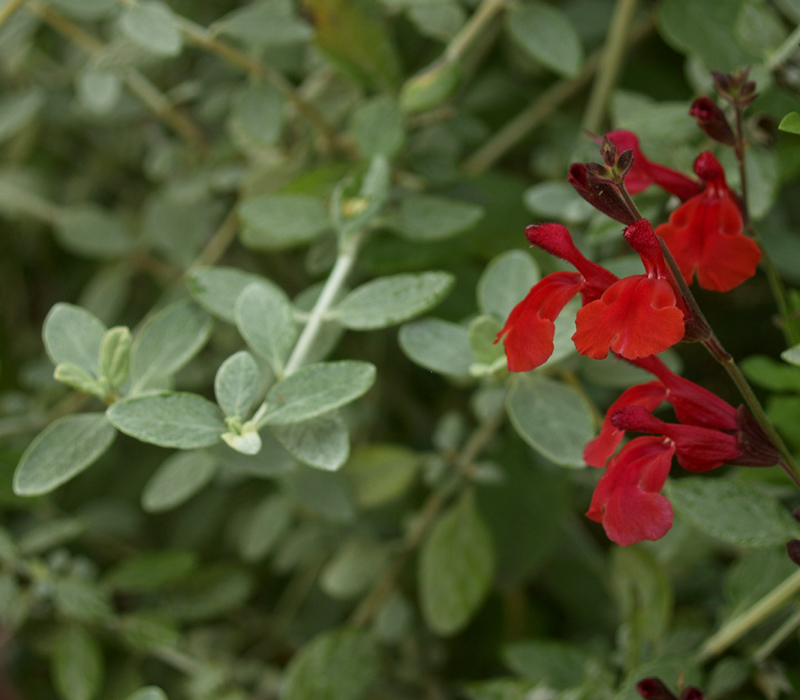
(267, 247)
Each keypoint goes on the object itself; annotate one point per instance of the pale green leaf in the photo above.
(147, 631)
(62, 451)
(551, 417)
(87, 10)
(381, 473)
(274, 222)
(792, 355)
(790, 123)
(337, 665)
(558, 665)
(80, 599)
(151, 571)
(257, 115)
(267, 522)
(353, 568)
(426, 217)
(734, 512)
(152, 26)
(390, 300)
(92, 232)
(430, 87)
(505, 282)
(167, 341)
(180, 420)
(456, 565)
(264, 319)
(115, 356)
(77, 664)
(50, 534)
(79, 379)
(178, 478)
(217, 288)
(98, 90)
(321, 442)
(236, 384)
(557, 200)
(317, 389)
(545, 33)
(378, 126)
(439, 346)
(271, 23)
(73, 336)
(211, 592)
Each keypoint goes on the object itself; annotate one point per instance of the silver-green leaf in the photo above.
(273, 222)
(73, 336)
(236, 384)
(153, 27)
(178, 478)
(77, 664)
(426, 217)
(62, 451)
(439, 346)
(264, 319)
(180, 420)
(390, 300)
(321, 442)
(317, 389)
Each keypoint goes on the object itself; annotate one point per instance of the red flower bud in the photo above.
(711, 119)
(600, 193)
(654, 689)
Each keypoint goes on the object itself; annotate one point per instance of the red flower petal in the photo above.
(698, 449)
(627, 500)
(528, 332)
(705, 235)
(649, 395)
(635, 317)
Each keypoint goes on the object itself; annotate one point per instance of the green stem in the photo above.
(333, 286)
(610, 63)
(472, 30)
(777, 638)
(755, 615)
(784, 51)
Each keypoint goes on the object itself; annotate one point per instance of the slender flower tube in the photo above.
(705, 234)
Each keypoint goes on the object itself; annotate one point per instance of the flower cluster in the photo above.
(709, 433)
(639, 316)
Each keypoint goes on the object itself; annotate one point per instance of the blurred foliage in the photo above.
(215, 212)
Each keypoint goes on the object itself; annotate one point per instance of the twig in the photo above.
(534, 115)
(610, 63)
(220, 241)
(8, 10)
(140, 86)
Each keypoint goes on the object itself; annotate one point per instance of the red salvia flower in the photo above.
(636, 316)
(645, 172)
(627, 499)
(705, 235)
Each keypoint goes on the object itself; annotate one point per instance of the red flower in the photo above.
(627, 499)
(705, 233)
(636, 316)
(529, 330)
(645, 172)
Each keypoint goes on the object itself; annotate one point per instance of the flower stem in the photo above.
(777, 638)
(610, 62)
(472, 30)
(756, 614)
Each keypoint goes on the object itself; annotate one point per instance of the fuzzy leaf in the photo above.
(264, 319)
(62, 451)
(178, 478)
(73, 336)
(321, 442)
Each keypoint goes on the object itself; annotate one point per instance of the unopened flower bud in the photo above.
(793, 550)
(654, 689)
(691, 693)
(608, 151)
(711, 119)
(600, 193)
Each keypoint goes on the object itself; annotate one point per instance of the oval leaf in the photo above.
(426, 217)
(551, 417)
(177, 479)
(216, 289)
(338, 665)
(437, 345)
(456, 565)
(181, 420)
(92, 232)
(317, 389)
(321, 442)
(390, 300)
(167, 341)
(236, 384)
(73, 336)
(273, 222)
(505, 282)
(546, 35)
(61, 451)
(264, 318)
(734, 512)
(153, 27)
(77, 664)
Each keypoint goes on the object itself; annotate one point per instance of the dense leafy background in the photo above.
(383, 511)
